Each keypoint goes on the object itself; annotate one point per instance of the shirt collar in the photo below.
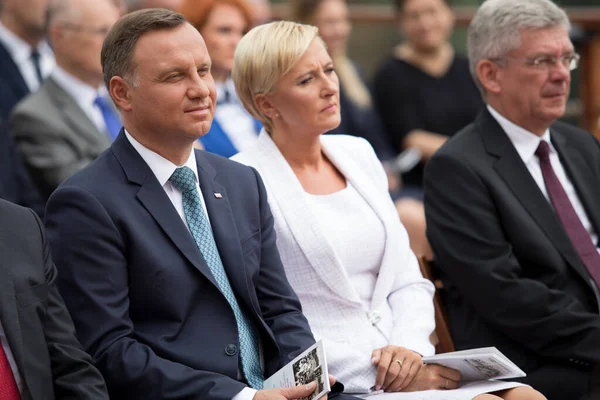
(77, 89)
(160, 166)
(19, 50)
(525, 142)
(221, 87)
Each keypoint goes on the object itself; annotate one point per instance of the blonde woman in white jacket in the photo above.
(344, 250)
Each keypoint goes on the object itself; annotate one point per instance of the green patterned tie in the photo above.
(184, 179)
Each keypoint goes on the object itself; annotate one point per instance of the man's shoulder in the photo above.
(98, 177)
(464, 143)
(17, 219)
(573, 134)
(37, 104)
(10, 210)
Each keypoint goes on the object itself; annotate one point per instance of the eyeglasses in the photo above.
(546, 62)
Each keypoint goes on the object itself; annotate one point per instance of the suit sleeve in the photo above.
(91, 258)
(73, 373)
(468, 240)
(280, 306)
(46, 154)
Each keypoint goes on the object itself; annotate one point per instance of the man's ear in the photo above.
(490, 76)
(120, 91)
(265, 106)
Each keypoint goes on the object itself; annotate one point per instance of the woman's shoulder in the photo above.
(353, 147)
(346, 143)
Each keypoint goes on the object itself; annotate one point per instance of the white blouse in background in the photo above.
(355, 233)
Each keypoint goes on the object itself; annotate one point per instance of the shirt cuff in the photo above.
(246, 394)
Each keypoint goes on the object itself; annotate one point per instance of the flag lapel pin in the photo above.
(218, 195)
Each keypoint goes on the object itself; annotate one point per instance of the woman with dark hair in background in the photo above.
(222, 23)
(359, 118)
(425, 93)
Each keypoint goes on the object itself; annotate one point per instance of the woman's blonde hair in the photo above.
(263, 56)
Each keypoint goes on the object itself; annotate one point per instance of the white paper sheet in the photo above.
(466, 391)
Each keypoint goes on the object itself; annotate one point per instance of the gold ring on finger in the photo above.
(400, 363)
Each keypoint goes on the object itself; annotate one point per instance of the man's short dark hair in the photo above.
(119, 45)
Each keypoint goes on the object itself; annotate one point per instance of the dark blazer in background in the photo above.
(54, 136)
(143, 299)
(15, 184)
(39, 330)
(513, 278)
(12, 85)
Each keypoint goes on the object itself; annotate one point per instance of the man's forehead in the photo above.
(169, 46)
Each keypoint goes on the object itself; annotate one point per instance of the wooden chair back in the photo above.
(441, 339)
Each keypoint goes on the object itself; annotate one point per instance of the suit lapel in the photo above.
(304, 225)
(11, 73)
(363, 183)
(514, 172)
(75, 116)
(9, 315)
(581, 176)
(225, 232)
(155, 200)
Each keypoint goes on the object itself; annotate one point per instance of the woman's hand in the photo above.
(396, 367)
(434, 377)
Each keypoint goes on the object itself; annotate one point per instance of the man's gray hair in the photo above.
(497, 25)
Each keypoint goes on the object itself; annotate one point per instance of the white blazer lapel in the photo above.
(305, 227)
(379, 202)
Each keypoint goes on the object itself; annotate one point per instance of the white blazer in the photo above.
(401, 312)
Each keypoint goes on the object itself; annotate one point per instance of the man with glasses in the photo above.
(71, 119)
(512, 204)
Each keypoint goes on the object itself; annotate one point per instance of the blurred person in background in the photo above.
(26, 59)
(359, 118)
(134, 5)
(344, 251)
(262, 11)
(70, 120)
(222, 23)
(424, 92)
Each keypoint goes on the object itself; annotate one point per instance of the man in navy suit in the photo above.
(166, 255)
(25, 57)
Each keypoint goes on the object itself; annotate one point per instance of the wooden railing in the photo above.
(587, 18)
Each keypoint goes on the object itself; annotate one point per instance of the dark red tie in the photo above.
(579, 236)
(8, 385)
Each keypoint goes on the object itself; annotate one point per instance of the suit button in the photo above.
(231, 350)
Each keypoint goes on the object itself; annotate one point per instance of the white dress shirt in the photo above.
(233, 117)
(163, 169)
(352, 225)
(526, 143)
(11, 359)
(20, 52)
(84, 95)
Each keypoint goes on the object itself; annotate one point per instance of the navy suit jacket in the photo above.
(143, 300)
(12, 85)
